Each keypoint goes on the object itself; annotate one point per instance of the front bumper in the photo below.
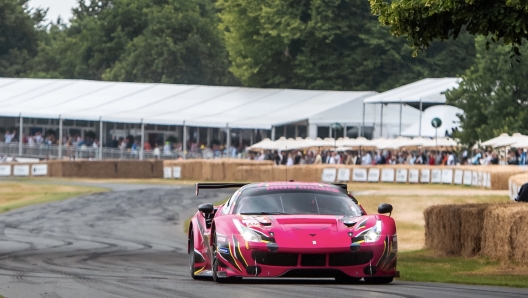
(267, 259)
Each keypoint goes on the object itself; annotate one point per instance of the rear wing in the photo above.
(217, 186)
(237, 185)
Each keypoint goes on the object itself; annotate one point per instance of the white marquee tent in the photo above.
(192, 105)
(423, 93)
(448, 115)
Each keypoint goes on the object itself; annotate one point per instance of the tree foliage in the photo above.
(425, 21)
(19, 36)
(326, 44)
(169, 41)
(493, 95)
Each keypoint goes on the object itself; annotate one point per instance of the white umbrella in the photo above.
(491, 142)
(516, 137)
(265, 144)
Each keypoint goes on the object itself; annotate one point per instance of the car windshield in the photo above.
(322, 201)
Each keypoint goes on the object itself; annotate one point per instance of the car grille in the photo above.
(349, 258)
(275, 259)
(312, 260)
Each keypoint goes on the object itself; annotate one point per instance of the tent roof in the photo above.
(429, 91)
(448, 115)
(196, 105)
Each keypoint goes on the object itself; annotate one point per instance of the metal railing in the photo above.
(45, 151)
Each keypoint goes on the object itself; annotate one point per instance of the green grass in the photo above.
(424, 266)
(19, 193)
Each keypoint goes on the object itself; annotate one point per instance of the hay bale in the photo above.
(442, 229)
(519, 239)
(471, 222)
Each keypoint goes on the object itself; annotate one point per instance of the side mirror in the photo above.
(385, 208)
(207, 208)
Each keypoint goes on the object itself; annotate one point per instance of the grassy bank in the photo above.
(21, 193)
(424, 266)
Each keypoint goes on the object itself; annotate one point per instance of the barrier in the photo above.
(343, 175)
(459, 175)
(401, 175)
(447, 176)
(414, 176)
(359, 175)
(387, 175)
(374, 175)
(496, 231)
(436, 176)
(426, 176)
(21, 170)
(5, 170)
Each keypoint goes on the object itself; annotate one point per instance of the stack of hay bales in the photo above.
(497, 231)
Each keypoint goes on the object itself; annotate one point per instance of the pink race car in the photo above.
(291, 229)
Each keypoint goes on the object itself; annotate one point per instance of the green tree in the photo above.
(181, 43)
(425, 21)
(326, 44)
(493, 95)
(19, 35)
(169, 41)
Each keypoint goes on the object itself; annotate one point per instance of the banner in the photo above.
(343, 175)
(387, 175)
(488, 180)
(414, 176)
(480, 179)
(359, 175)
(401, 175)
(436, 176)
(39, 170)
(467, 177)
(426, 176)
(176, 172)
(167, 173)
(447, 176)
(5, 170)
(21, 170)
(329, 175)
(475, 180)
(459, 176)
(374, 175)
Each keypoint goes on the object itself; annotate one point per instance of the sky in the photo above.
(56, 8)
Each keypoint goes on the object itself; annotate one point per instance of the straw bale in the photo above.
(471, 222)
(442, 229)
(501, 238)
(519, 239)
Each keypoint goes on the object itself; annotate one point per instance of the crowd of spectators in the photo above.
(382, 157)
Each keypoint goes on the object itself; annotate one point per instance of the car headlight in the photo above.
(247, 233)
(374, 234)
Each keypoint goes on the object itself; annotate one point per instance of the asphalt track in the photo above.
(129, 243)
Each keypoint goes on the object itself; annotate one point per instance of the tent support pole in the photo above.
(228, 139)
(100, 138)
(142, 150)
(381, 123)
(330, 131)
(21, 136)
(420, 123)
(60, 137)
(184, 141)
(209, 133)
(362, 128)
(401, 107)
(273, 133)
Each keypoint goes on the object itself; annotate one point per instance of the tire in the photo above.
(379, 280)
(214, 261)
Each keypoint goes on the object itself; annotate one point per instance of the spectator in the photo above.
(366, 159)
(476, 158)
(451, 159)
(494, 159)
(7, 137)
(156, 152)
(318, 158)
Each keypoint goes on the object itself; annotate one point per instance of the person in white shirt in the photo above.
(451, 159)
(366, 159)
(289, 162)
(7, 137)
